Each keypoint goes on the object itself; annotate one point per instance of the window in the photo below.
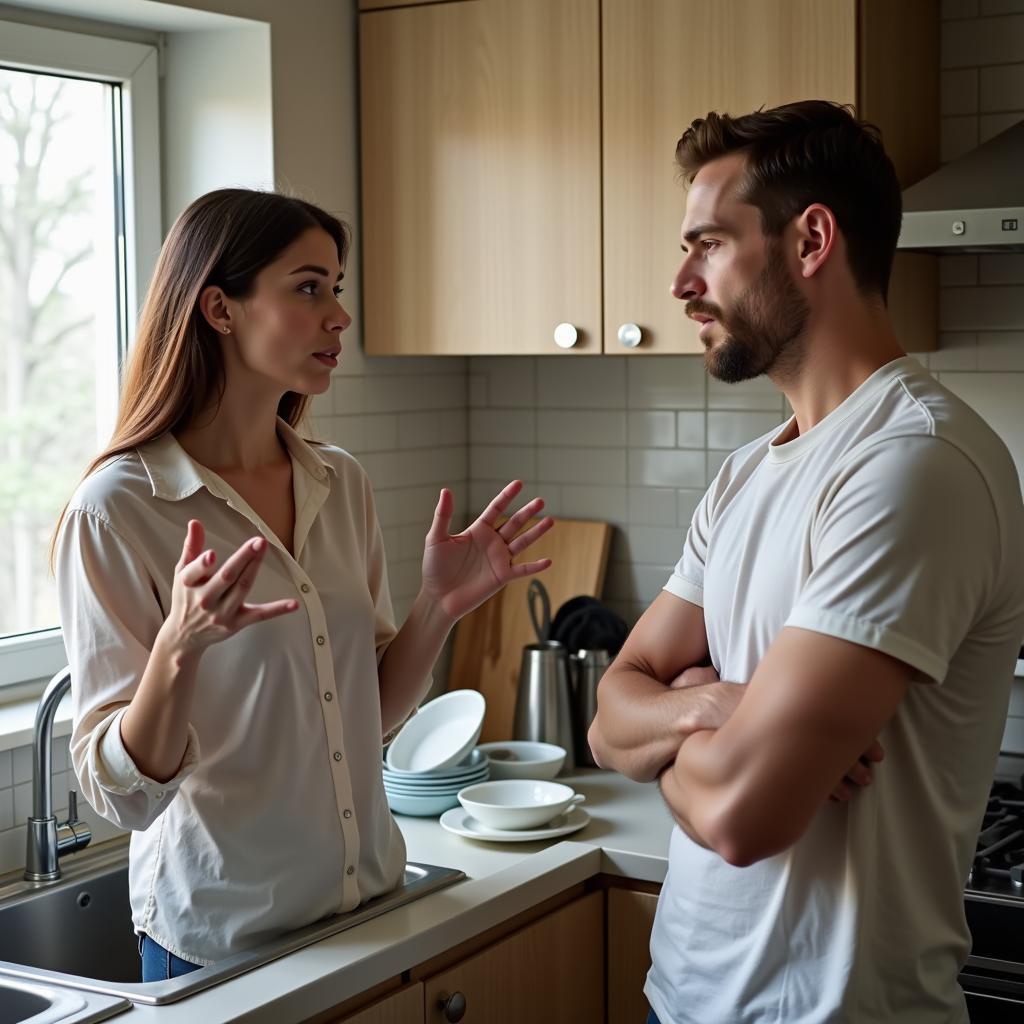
(79, 232)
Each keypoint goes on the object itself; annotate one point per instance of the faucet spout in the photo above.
(49, 840)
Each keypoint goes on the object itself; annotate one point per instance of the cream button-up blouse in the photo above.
(277, 816)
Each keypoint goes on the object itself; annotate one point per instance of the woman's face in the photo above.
(288, 330)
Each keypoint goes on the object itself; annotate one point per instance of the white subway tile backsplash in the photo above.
(348, 395)
(994, 308)
(957, 350)
(1002, 350)
(582, 465)
(594, 501)
(516, 427)
(1001, 268)
(958, 9)
(958, 91)
(982, 42)
(511, 381)
(651, 545)
(23, 801)
(996, 397)
(714, 463)
(6, 771)
(22, 765)
(656, 467)
(958, 269)
(477, 390)
(687, 501)
(502, 462)
(582, 382)
(691, 429)
(990, 125)
(733, 429)
(666, 382)
(958, 135)
(654, 429)
(6, 812)
(1000, 88)
(604, 428)
(413, 392)
(652, 506)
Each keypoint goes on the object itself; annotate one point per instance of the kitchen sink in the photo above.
(78, 933)
(22, 1001)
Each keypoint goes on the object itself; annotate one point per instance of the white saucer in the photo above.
(460, 822)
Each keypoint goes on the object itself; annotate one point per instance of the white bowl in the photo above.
(517, 803)
(466, 769)
(443, 732)
(523, 759)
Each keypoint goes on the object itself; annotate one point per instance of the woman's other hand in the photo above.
(208, 605)
(461, 572)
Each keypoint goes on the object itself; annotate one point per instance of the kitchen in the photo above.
(629, 440)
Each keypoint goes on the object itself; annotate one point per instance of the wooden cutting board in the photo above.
(488, 646)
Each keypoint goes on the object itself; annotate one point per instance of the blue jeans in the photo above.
(159, 965)
(652, 1018)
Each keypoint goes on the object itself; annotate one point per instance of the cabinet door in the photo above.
(630, 917)
(481, 177)
(666, 62)
(405, 1007)
(550, 972)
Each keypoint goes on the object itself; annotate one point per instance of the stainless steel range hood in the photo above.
(973, 204)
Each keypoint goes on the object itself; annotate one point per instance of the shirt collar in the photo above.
(174, 474)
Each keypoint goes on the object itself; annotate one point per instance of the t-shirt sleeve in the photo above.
(110, 616)
(687, 579)
(904, 552)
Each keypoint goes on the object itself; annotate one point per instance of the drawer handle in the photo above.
(566, 335)
(454, 1007)
(630, 336)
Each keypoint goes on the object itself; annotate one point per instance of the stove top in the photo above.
(998, 868)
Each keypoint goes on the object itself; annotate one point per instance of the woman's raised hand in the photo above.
(207, 604)
(461, 572)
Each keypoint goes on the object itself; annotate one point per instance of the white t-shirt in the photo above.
(278, 815)
(895, 523)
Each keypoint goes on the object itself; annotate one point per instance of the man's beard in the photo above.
(765, 325)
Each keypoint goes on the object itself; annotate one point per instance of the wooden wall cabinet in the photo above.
(517, 156)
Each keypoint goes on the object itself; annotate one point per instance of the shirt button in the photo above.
(337, 755)
(347, 814)
(350, 870)
(320, 640)
(159, 796)
(328, 696)
(304, 588)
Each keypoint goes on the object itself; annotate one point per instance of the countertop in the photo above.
(628, 835)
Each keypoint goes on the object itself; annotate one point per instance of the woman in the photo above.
(225, 603)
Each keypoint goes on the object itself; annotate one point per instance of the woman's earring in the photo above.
(227, 330)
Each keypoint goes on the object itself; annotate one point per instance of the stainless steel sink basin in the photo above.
(78, 933)
(22, 1001)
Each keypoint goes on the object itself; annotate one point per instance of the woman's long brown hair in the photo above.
(176, 367)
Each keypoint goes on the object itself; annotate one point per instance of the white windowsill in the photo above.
(17, 722)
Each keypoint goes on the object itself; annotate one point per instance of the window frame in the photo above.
(28, 659)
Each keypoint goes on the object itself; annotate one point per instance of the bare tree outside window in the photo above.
(58, 318)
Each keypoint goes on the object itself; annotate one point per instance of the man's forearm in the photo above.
(641, 722)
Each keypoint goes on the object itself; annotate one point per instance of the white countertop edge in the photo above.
(314, 979)
(639, 867)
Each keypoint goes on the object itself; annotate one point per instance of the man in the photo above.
(855, 579)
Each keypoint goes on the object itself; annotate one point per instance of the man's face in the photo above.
(734, 280)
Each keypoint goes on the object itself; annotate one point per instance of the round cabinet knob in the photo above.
(630, 335)
(454, 1007)
(566, 335)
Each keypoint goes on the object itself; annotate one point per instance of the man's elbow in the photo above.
(740, 839)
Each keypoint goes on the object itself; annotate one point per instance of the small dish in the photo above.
(443, 732)
(460, 822)
(414, 790)
(517, 803)
(421, 806)
(523, 759)
(475, 763)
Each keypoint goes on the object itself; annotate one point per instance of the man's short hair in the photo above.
(809, 152)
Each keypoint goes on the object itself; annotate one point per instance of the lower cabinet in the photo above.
(630, 916)
(583, 962)
(549, 972)
(405, 1007)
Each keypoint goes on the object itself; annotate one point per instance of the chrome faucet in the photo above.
(48, 839)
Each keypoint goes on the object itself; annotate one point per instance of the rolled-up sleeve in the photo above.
(110, 614)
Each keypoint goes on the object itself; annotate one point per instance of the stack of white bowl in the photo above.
(428, 794)
(435, 755)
